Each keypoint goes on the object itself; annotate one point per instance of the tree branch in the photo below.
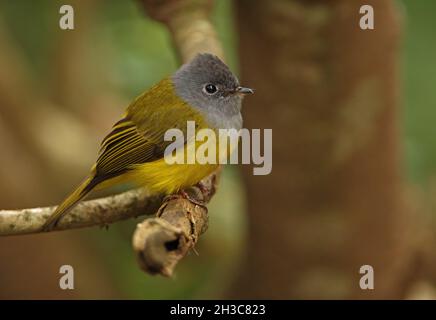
(88, 213)
(161, 242)
(188, 21)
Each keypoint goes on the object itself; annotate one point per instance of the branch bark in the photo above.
(161, 242)
(188, 21)
(88, 213)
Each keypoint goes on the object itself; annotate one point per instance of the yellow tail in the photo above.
(81, 191)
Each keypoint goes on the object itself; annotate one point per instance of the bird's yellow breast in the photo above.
(161, 177)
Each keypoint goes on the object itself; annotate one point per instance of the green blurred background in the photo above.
(89, 76)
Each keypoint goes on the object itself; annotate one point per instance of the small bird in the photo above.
(203, 90)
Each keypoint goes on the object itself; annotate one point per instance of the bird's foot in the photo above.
(183, 194)
(197, 202)
(204, 190)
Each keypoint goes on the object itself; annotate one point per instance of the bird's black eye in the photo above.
(210, 88)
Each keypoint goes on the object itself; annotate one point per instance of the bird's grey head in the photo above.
(207, 84)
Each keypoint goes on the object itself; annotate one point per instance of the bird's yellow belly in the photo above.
(160, 177)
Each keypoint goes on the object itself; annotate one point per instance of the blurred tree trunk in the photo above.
(334, 200)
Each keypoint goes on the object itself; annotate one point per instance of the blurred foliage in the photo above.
(419, 74)
(131, 53)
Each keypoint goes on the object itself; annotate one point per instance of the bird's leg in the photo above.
(186, 196)
(183, 194)
(204, 190)
(170, 197)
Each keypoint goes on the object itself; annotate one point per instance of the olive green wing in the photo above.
(125, 146)
(139, 137)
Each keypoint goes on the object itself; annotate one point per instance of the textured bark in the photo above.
(334, 200)
(101, 212)
(189, 23)
(160, 243)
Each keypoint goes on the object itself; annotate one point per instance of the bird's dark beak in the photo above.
(243, 90)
